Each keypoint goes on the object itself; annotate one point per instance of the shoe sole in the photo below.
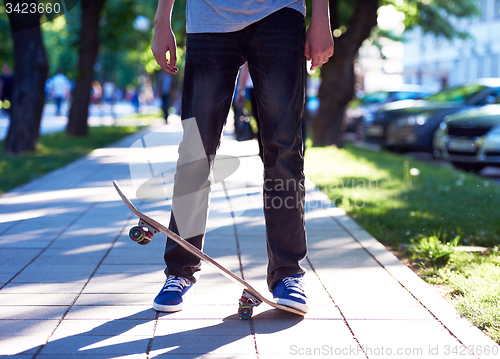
(167, 308)
(292, 304)
(172, 308)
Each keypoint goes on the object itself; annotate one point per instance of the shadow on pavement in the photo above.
(110, 339)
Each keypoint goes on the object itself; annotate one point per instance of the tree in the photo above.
(355, 20)
(337, 75)
(31, 67)
(6, 46)
(88, 48)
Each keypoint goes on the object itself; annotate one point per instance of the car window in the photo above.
(405, 95)
(375, 97)
(492, 98)
(457, 94)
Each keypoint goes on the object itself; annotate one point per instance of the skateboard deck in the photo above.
(148, 227)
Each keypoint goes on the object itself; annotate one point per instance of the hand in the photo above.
(319, 41)
(163, 42)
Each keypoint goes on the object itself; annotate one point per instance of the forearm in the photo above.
(164, 12)
(319, 42)
(320, 11)
(163, 37)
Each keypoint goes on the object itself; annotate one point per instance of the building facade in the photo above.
(436, 62)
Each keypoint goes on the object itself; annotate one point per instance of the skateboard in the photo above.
(148, 227)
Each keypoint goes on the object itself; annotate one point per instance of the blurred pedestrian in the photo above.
(60, 90)
(165, 86)
(108, 93)
(136, 102)
(96, 93)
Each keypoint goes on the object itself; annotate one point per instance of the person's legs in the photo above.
(212, 64)
(275, 54)
(165, 105)
(58, 105)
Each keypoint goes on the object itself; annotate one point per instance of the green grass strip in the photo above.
(475, 281)
(53, 151)
(396, 198)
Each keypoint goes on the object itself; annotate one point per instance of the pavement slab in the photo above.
(72, 284)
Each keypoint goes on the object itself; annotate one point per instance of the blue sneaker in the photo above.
(289, 292)
(172, 294)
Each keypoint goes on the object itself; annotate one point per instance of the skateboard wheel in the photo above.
(144, 241)
(139, 235)
(245, 312)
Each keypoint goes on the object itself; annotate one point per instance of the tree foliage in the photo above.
(121, 43)
(437, 17)
(60, 39)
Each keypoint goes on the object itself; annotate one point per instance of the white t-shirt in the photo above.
(60, 85)
(108, 90)
(232, 15)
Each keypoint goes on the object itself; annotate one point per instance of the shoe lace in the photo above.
(175, 284)
(293, 284)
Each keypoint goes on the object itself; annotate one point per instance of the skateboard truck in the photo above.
(142, 233)
(246, 304)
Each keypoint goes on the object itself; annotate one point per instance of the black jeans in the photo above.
(274, 49)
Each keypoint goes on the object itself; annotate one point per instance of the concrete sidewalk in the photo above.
(73, 284)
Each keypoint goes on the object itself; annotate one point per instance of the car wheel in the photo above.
(469, 167)
(359, 130)
(436, 153)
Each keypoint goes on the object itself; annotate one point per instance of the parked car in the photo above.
(410, 125)
(470, 139)
(363, 107)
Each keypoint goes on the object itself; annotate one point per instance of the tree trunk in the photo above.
(89, 46)
(30, 75)
(337, 76)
